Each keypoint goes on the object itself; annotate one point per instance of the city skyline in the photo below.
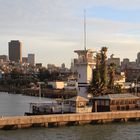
(52, 30)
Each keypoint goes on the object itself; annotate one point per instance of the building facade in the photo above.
(114, 60)
(15, 51)
(38, 65)
(138, 59)
(84, 65)
(116, 102)
(4, 58)
(132, 74)
(31, 59)
(24, 59)
(131, 69)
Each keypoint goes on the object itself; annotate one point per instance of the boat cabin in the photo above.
(42, 108)
(78, 104)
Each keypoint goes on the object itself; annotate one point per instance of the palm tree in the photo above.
(99, 81)
(103, 69)
(98, 60)
(112, 68)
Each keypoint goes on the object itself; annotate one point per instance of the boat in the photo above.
(44, 109)
(76, 104)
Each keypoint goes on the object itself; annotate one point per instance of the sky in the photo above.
(53, 29)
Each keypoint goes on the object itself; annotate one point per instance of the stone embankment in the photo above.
(48, 93)
(67, 119)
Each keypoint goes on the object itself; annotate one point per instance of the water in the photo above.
(17, 104)
(118, 131)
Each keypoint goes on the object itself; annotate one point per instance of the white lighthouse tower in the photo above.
(85, 65)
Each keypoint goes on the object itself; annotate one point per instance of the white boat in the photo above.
(42, 108)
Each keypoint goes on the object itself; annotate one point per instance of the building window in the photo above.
(107, 102)
(102, 102)
(79, 75)
(99, 102)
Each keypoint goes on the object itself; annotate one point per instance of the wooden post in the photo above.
(45, 124)
(95, 106)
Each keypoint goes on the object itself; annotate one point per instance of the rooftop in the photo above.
(117, 96)
(79, 99)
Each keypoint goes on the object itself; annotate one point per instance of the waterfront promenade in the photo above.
(66, 119)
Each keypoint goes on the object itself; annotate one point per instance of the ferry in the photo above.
(76, 104)
(42, 108)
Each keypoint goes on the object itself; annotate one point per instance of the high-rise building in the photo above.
(138, 59)
(15, 51)
(31, 59)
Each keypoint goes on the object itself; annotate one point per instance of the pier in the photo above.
(67, 119)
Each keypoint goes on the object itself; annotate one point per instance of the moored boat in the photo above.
(44, 108)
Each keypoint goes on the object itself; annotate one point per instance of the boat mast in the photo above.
(85, 29)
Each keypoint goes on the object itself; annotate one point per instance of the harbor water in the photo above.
(16, 105)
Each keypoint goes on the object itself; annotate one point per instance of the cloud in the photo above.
(118, 4)
(52, 28)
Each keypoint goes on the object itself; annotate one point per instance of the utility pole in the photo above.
(40, 83)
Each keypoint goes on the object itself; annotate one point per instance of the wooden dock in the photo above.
(66, 119)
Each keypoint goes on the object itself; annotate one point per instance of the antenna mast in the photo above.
(85, 29)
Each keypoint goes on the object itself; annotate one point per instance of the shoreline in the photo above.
(46, 93)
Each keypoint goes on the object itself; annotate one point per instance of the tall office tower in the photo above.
(15, 51)
(31, 59)
(138, 59)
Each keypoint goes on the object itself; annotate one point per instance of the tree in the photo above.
(96, 86)
(103, 68)
(16, 73)
(117, 89)
(99, 83)
(97, 72)
(112, 68)
(44, 74)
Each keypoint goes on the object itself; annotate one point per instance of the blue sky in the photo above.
(53, 29)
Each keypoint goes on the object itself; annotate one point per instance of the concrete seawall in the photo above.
(64, 119)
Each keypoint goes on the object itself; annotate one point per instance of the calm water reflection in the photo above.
(122, 131)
